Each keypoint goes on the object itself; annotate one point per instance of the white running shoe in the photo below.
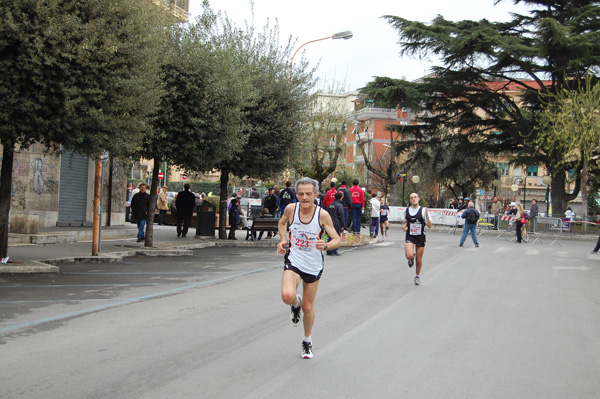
(307, 350)
(417, 280)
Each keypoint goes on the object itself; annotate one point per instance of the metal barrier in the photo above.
(510, 220)
(484, 224)
(552, 226)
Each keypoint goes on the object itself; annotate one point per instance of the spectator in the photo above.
(375, 213)
(241, 215)
(346, 201)
(471, 216)
(519, 214)
(533, 212)
(358, 203)
(270, 201)
(329, 195)
(277, 193)
(185, 202)
(264, 214)
(452, 204)
(162, 204)
(338, 217)
(254, 194)
(570, 214)
(139, 210)
(495, 210)
(286, 196)
(234, 218)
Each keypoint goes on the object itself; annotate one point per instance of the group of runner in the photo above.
(300, 228)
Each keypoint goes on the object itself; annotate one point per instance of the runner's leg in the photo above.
(289, 287)
(308, 300)
(420, 251)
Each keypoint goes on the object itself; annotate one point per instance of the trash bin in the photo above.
(205, 219)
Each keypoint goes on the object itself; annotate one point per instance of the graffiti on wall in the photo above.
(35, 180)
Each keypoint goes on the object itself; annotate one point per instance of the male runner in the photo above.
(303, 257)
(416, 219)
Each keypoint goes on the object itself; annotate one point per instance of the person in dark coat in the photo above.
(234, 218)
(271, 201)
(338, 217)
(346, 201)
(185, 204)
(139, 210)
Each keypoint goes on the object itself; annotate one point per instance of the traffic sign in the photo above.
(183, 176)
(161, 175)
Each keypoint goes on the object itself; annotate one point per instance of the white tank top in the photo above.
(303, 253)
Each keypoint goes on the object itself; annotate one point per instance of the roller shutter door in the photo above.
(73, 187)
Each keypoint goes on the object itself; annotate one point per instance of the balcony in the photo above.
(364, 136)
(375, 113)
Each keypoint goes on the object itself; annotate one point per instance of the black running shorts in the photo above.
(419, 241)
(307, 278)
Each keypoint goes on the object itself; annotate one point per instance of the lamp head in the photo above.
(343, 35)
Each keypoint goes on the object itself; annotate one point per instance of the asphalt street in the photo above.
(500, 321)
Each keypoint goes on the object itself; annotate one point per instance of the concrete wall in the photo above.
(35, 189)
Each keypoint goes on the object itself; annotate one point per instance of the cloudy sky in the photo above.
(373, 51)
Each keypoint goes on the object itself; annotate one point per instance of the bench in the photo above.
(260, 225)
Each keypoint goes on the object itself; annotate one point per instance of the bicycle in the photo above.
(524, 235)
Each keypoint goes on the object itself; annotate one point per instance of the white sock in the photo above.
(307, 339)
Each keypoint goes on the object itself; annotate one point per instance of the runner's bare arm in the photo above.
(282, 228)
(427, 219)
(327, 224)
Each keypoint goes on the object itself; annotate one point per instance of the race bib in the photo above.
(304, 243)
(416, 229)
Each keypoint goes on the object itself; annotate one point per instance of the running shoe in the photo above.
(411, 262)
(307, 350)
(417, 280)
(295, 316)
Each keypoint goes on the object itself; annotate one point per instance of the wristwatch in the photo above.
(325, 247)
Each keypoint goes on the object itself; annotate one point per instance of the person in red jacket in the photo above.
(329, 196)
(358, 203)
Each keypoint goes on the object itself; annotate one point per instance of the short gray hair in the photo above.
(308, 180)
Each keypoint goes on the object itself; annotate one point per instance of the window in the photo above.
(532, 170)
(503, 169)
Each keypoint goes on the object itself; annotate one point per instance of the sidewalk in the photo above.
(42, 252)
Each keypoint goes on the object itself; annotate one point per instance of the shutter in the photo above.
(73, 187)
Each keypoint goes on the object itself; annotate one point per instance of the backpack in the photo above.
(473, 217)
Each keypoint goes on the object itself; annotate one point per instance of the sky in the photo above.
(373, 51)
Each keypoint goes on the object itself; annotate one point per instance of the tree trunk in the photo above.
(223, 205)
(8, 154)
(394, 197)
(584, 196)
(152, 206)
(97, 205)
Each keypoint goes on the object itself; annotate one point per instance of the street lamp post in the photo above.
(547, 180)
(514, 187)
(403, 174)
(341, 35)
